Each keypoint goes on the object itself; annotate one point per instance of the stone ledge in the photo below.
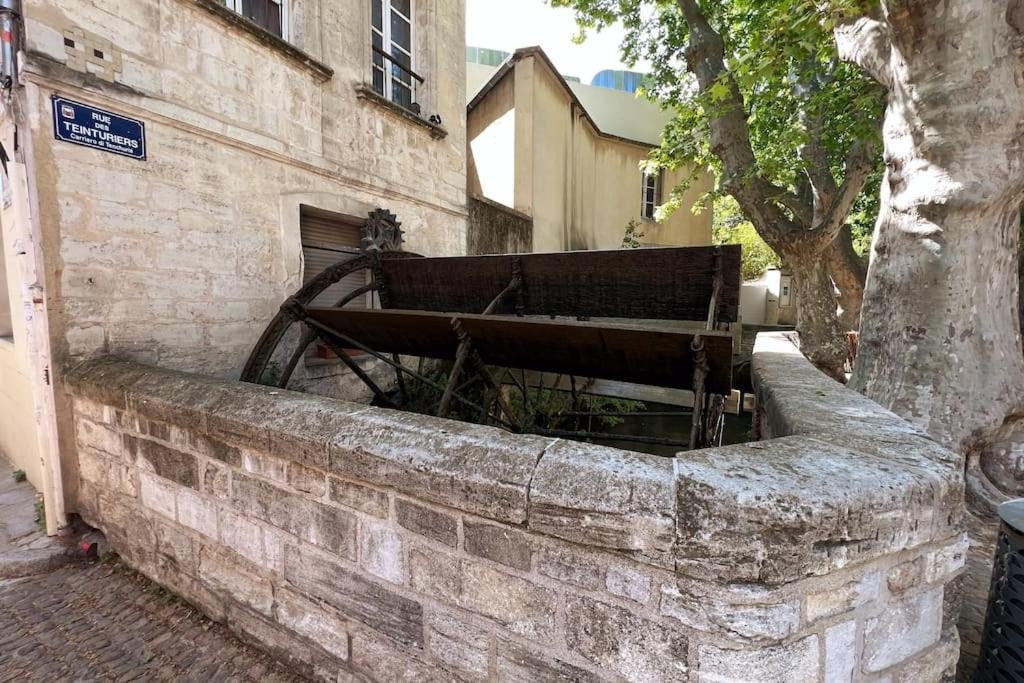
(822, 495)
(231, 18)
(368, 94)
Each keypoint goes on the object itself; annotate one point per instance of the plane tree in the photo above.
(940, 331)
(791, 130)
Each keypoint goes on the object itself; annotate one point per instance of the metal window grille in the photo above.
(269, 14)
(391, 34)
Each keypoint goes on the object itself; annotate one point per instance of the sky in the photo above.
(507, 25)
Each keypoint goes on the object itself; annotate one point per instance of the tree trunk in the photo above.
(940, 335)
(849, 272)
(821, 338)
(802, 231)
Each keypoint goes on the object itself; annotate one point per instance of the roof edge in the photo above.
(537, 51)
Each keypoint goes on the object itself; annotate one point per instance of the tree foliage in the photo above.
(761, 97)
(730, 226)
(781, 55)
(634, 233)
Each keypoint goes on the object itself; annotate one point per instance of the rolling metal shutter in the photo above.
(326, 240)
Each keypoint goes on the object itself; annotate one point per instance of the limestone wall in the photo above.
(361, 542)
(181, 260)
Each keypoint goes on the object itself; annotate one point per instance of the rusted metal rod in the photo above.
(513, 286)
(461, 354)
(307, 338)
(354, 367)
(700, 372)
(352, 343)
(638, 438)
(626, 413)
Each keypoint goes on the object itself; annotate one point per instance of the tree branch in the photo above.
(865, 42)
(859, 162)
(801, 204)
(730, 133)
(812, 153)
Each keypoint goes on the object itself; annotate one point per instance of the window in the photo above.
(651, 195)
(486, 56)
(328, 238)
(391, 36)
(269, 14)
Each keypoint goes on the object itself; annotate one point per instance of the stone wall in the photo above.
(182, 259)
(362, 543)
(497, 229)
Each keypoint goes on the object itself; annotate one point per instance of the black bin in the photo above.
(1002, 641)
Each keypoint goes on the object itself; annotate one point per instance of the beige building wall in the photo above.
(581, 185)
(18, 434)
(491, 132)
(182, 259)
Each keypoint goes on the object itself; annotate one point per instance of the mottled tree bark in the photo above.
(940, 334)
(799, 225)
(822, 339)
(848, 271)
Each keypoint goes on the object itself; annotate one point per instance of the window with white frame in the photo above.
(394, 74)
(269, 14)
(651, 197)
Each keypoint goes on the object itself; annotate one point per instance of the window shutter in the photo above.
(326, 240)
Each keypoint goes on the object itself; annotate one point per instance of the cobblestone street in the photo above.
(104, 622)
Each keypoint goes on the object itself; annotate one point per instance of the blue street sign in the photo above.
(81, 124)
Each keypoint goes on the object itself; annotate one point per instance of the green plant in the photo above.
(164, 595)
(20, 476)
(730, 226)
(631, 240)
(554, 408)
(41, 514)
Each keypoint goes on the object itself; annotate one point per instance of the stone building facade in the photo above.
(181, 257)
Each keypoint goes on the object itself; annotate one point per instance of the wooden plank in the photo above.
(671, 283)
(586, 349)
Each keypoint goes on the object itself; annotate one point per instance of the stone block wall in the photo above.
(359, 543)
(182, 259)
(497, 229)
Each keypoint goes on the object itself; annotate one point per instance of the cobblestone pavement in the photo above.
(104, 622)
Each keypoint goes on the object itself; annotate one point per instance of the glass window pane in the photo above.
(401, 32)
(401, 57)
(378, 80)
(378, 14)
(265, 13)
(402, 6)
(400, 94)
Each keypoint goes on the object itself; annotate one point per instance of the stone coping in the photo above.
(368, 94)
(841, 481)
(218, 9)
